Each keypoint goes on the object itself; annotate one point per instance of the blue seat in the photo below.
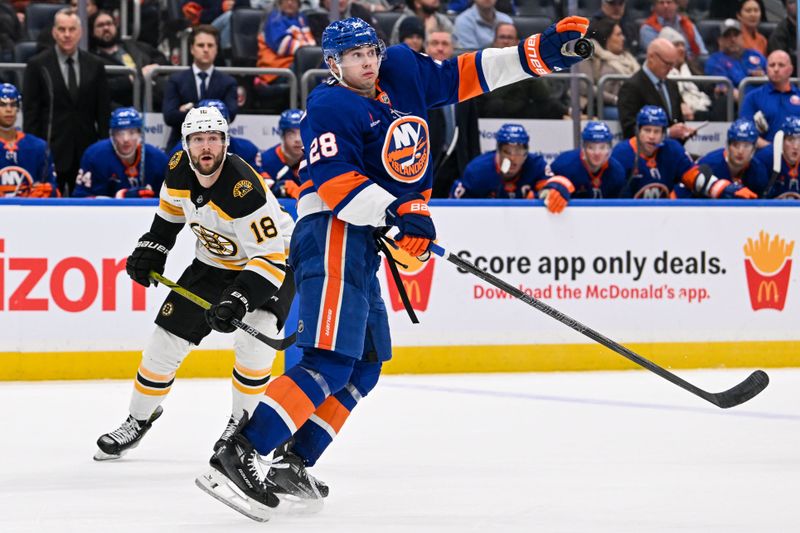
(40, 17)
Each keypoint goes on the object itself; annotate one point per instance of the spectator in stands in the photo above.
(318, 21)
(240, 146)
(665, 13)
(786, 186)
(121, 166)
(474, 28)
(769, 104)
(26, 168)
(285, 30)
(508, 172)
(532, 98)
(650, 86)
(91, 7)
(610, 57)
(66, 98)
(727, 9)
(733, 61)
(11, 32)
(695, 104)
(106, 44)
(735, 162)
(215, 12)
(585, 172)
(454, 132)
(428, 13)
(281, 163)
(749, 16)
(656, 165)
(615, 10)
(412, 33)
(202, 81)
(784, 37)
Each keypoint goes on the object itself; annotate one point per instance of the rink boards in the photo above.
(687, 284)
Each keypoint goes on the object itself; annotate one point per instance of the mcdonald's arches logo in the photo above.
(417, 279)
(768, 265)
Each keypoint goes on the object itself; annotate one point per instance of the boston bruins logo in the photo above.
(167, 309)
(214, 242)
(242, 188)
(175, 159)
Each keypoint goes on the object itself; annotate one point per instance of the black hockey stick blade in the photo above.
(747, 389)
(278, 344)
(739, 394)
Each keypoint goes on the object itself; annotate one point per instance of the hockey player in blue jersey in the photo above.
(508, 172)
(240, 146)
(785, 186)
(26, 166)
(281, 163)
(655, 164)
(585, 172)
(114, 168)
(368, 167)
(736, 162)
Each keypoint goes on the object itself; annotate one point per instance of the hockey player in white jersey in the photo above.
(240, 262)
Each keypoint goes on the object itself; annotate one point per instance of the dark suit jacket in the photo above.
(468, 147)
(181, 88)
(75, 125)
(639, 91)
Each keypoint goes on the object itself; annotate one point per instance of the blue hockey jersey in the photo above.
(786, 185)
(239, 146)
(102, 173)
(362, 153)
(607, 183)
(482, 178)
(273, 162)
(23, 162)
(657, 175)
(755, 176)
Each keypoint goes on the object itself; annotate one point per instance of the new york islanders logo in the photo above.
(13, 178)
(406, 150)
(768, 265)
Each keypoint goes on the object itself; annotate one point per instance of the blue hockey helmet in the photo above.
(512, 134)
(596, 132)
(219, 104)
(10, 92)
(743, 130)
(290, 119)
(652, 115)
(124, 118)
(343, 35)
(791, 125)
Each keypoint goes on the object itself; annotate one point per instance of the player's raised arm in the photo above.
(475, 73)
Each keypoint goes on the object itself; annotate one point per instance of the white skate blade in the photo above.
(293, 505)
(220, 488)
(100, 455)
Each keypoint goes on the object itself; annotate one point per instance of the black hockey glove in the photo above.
(148, 255)
(232, 304)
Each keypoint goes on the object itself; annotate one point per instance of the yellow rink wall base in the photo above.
(427, 360)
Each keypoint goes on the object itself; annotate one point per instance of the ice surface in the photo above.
(558, 452)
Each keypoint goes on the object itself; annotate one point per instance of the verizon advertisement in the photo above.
(636, 274)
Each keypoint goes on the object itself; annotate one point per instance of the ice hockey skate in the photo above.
(298, 491)
(237, 477)
(117, 443)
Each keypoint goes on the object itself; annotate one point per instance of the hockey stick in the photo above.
(777, 160)
(278, 344)
(747, 389)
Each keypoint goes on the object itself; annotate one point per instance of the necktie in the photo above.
(72, 80)
(203, 76)
(662, 88)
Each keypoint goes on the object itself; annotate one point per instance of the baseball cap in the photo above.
(729, 25)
